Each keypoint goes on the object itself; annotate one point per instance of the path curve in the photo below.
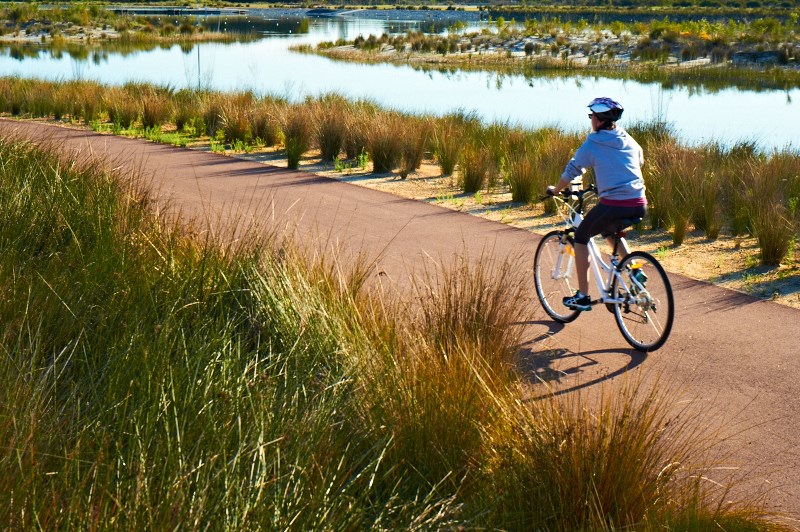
(734, 355)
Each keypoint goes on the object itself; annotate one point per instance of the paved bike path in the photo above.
(734, 355)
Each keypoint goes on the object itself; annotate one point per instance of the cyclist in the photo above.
(617, 162)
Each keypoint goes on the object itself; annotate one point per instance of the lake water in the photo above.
(267, 66)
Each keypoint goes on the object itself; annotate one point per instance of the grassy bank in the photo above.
(765, 50)
(731, 190)
(151, 380)
(89, 22)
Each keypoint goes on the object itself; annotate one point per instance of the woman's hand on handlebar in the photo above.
(550, 190)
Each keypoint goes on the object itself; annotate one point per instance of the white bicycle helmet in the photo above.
(606, 109)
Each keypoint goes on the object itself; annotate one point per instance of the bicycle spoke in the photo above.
(646, 319)
(554, 278)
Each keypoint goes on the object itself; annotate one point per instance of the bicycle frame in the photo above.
(603, 272)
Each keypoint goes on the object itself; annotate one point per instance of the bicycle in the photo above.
(635, 289)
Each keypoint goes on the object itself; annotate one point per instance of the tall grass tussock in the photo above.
(150, 379)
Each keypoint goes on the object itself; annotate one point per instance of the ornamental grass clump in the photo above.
(156, 110)
(356, 122)
(212, 109)
(414, 136)
(266, 124)
(673, 169)
(383, 142)
(735, 161)
(298, 131)
(448, 138)
(432, 392)
(553, 150)
(521, 172)
(187, 108)
(769, 212)
(122, 107)
(88, 96)
(329, 131)
(628, 459)
(236, 117)
(15, 95)
(476, 165)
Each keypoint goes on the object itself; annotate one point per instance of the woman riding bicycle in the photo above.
(617, 161)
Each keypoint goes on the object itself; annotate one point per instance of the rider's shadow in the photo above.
(553, 368)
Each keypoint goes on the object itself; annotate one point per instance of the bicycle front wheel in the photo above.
(645, 307)
(554, 275)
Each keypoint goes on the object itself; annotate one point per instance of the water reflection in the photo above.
(257, 57)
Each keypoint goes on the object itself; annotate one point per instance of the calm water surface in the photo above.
(267, 66)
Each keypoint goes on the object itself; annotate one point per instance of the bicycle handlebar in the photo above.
(568, 192)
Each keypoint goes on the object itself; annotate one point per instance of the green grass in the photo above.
(149, 379)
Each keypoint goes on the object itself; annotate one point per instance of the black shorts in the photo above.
(604, 220)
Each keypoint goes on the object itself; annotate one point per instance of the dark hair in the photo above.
(608, 118)
(606, 121)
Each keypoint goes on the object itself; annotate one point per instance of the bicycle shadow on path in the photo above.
(559, 371)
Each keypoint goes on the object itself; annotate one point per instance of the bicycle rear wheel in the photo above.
(554, 275)
(647, 310)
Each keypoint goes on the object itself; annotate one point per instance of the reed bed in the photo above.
(698, 187)
(150, 379)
